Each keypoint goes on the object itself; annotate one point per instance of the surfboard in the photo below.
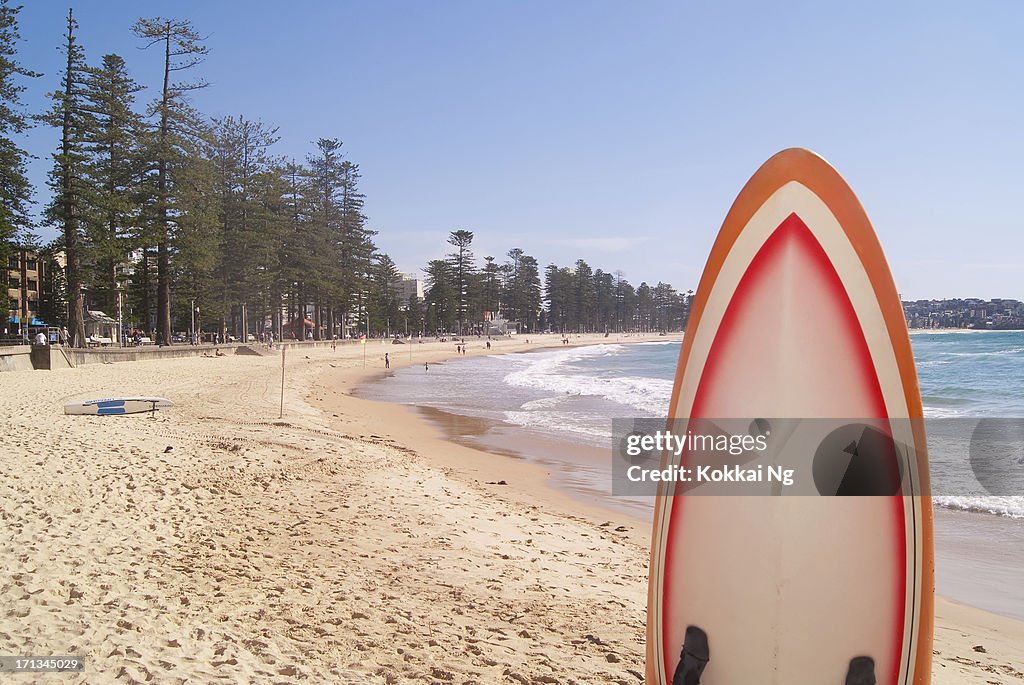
(796, 315)
(117, 405)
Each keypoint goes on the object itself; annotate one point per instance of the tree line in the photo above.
(176, 216)
(463, 294)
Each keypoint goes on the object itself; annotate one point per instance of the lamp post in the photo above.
(120, 327)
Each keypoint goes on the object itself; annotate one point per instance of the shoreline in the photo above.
(984, 601)
(521, 444)
(432, 430)
(451, 425)
(925, 331)
(957, 568)
(347, 541)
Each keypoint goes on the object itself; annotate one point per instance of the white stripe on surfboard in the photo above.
(117, 405)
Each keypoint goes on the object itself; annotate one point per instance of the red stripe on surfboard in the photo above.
(793, 232)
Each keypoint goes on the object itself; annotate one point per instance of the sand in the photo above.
(346, 542)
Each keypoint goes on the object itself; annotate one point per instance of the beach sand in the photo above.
(346, 542)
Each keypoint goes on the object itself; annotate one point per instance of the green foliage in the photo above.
(244, 232)
(177, 137)
(73, 194)
(441, 297)
(462, 270)
(15, 190)
(386, 310)
(53, 300)
(114, 169)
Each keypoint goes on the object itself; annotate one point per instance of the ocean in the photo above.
(574, 394)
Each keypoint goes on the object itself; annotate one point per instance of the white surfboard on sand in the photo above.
(796, 316)
(117, 405)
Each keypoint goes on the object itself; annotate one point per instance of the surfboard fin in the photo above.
(693, 657)
(861, 671)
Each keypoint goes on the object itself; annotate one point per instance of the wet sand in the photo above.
(979, 561)
(979, 557)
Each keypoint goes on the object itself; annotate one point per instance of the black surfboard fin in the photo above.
(692, 658)
(861, 671)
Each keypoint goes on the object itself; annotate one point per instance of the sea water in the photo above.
(575, 393)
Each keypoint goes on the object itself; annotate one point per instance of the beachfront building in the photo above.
(24, 275)
(493, 325)
(408, 287)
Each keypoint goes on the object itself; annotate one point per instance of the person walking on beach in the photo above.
(426, 366)
(387, 362)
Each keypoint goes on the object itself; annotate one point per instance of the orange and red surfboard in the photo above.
(796, 315)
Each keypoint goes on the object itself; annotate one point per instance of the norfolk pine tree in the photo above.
(462, 268)
(15, 190)
(386, 307)
(326, 280)
(114, 173)
(72, 191)
(251, 211)
(177, 130)
(355, 242)
(198, 240)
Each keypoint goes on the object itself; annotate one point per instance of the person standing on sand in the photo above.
(387, 362)
(334, 343)
(426, 366)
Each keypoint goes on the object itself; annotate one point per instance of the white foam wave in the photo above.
(542, 403)
(933, 362)
(1011, 507)
(933, 412)
(1009, 352)
(549, 373)
(561, 423)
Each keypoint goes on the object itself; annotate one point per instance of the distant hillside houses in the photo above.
(996, 314)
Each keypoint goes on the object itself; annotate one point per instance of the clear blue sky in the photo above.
(615, 131)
